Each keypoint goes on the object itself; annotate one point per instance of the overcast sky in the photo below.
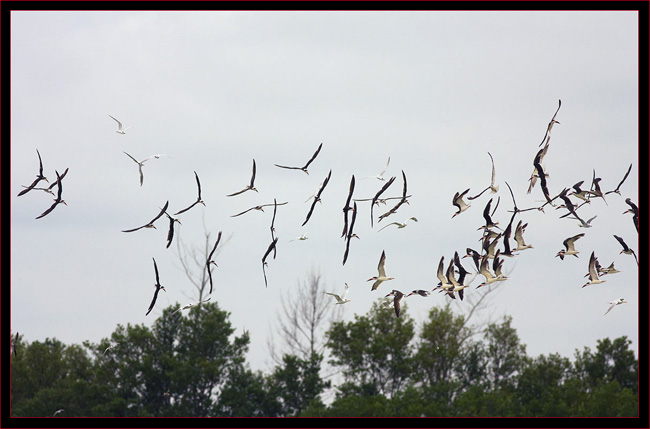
(434, 91)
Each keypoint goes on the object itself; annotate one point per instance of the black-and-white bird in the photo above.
(382, 272)
(211, 261)
(397, 298)
(158, 286)
(350, 233)
(120, 129)
(190, 306)
(260, 208)
(170, 231)
(476, 257)
(376, 197)
(58, 199)
(52, 185)
(489, 223)
(569, 246)
(403, 200)
(347, 208)
(635, 212)
(593, 271)
(264, 264)
(626, 249)
(420, 292)
(39, 176)
(535, 174)
(547, 135)
(14, 345)
(519, 237)
(151, 222)
(317, 198)
(141, 163)
(304, 168)
(618, 188)
(198, 199)
(493, 187)
(250, 186)
(459, 203)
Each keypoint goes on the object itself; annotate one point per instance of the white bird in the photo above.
(569, 244)
(493, 188)
(141, 163)
(593, 272)
(615, 303)
(301, 238)
(582, 223)
(108, 348)
(400, 225)
(382, 272)
(608, 270)
(340, 299)
(57, 412)
(189, 306)
(458, 202)
(380, 176)
(120, 130)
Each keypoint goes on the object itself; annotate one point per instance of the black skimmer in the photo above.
(476, 257)
(350, 233)
(568, 204)
(400, 225)
(396, 300)
(158, 288)
(382, 272)
(340, 299)
(608, 270)
(613, 304)
(627, 250)
(462, 273)
(489, 277)
(420, 292)
(514, 203)
(579, 192)
(519, 237)
(376, 197)
(304, 168)
(141, 163)
(595, 188)
(211, 261)
(380, 176)
(189, 306)
(403, 200)
(39, 176)
(489, 223)
(569, 245)
(317, 198)
(618, 188)
(541, 174)
(150, 224)
(119, 130)
(275, 211)
(250, 186)
(264, 264)
(58, 199)
(635, 212)
(535, 174)
(593, 272)
(493, 188)
(260, 208)
(583, 223)
(550, 124)
(444, 284)
(198, 199)
(170, 232)
(507, 251)
(52, 185)
(347, 208)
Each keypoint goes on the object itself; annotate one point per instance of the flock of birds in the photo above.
(453, 280)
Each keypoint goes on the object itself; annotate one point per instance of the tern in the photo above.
(141, 163)
(350, 234)
(493, 188)
(250, 186)
(304, 168)
(400, 225)
(260, 208)
(626, 249)
(519, 237)
(158, 288)
(382, 272)
(347, 208)
(58, 199)
(119, 130)
(396, 300)
(170, 232)
(635, 212)
(380, 176)
(189, 306)
(403, 200)
(613, 304)
(340, 299)
(376, 197)
(301, 238)
(550, 124)
(39, 176)
(593, 272)
(198, 199)
(264, 264)
(211, 261)
(569, 245)
(317, 198)
(150, 224)
(618, 188)
(584, 224)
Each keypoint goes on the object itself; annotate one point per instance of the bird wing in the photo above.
(253, 175)
(441, 273)
(620, 240)
(381, 267)
(240, 192)
(374, 199)
(345, 292)
(313, 156)
(119, 124)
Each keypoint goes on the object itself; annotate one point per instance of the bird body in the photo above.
(569, 245)
(340, 299)
(397, 298)
(382, 277)
(593, 272)
(615, 303)
(120, 129)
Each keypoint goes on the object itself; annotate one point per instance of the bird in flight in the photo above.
(141, 163)
(613, 304)
(211, 261)
(58, 199)
(158, 288)
(264, 264)
(340, 299)
(260, 208)
(150, 224)
(317, 198)
(569, 245)
(304, 168)
(250, 186)
(400, 225)
(198, 199)
(382, 272)
(493, 188)
(189, 306)
(120, 130)
(397, 298)
(39, 176)
(627, 250)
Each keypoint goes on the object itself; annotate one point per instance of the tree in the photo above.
(505, 353)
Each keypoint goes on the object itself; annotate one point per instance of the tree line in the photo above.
(191, 364)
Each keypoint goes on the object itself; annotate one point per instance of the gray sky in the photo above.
(434, 91)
